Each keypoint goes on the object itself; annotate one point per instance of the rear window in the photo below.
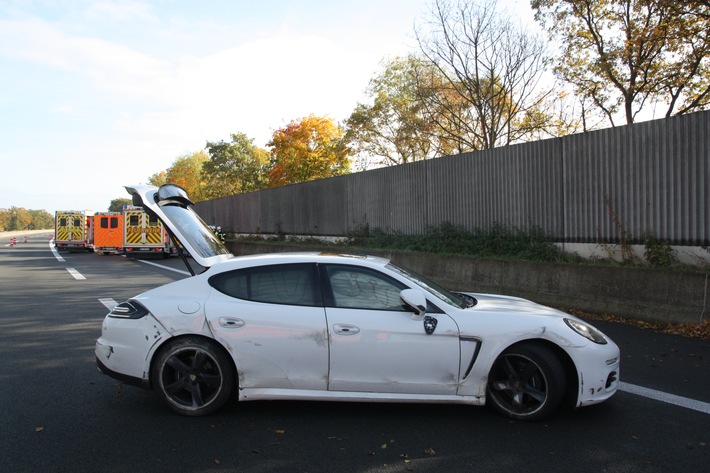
(290, 284)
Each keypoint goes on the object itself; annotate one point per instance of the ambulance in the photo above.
(73, 230)
(108, 232)
(143, 235)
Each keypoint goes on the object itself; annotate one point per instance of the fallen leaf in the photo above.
(39, 429)
(216, 461)
(430, 451)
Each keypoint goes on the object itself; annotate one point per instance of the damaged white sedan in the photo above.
(306, 326)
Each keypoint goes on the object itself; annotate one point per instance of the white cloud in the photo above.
(105, 93)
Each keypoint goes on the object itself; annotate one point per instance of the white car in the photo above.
(316, 326)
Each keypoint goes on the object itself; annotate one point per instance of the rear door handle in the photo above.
(346, 329)
(231, 322)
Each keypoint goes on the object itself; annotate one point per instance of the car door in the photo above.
(272, 320)
(376, 346)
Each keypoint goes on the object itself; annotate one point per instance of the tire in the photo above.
(193, 376)
(527, 382)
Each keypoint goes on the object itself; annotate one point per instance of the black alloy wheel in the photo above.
(194, 376)
(527, 382)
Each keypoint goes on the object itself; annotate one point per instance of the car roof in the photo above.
(303, 257)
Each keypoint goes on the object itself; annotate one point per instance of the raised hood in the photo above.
(172, 206)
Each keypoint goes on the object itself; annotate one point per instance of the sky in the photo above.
(98, 94)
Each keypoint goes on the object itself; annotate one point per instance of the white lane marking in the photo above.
(75, 273)
(680, 401)
(164, 267)
(108, 303)
(55, 252)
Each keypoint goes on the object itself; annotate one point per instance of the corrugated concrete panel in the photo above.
(649, 177)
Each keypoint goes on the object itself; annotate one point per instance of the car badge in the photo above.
(430, 324)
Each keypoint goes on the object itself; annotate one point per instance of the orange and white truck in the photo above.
(108, 232)
(73, 230)
(143, 235)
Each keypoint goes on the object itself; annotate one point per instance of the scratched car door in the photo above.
(272, 321)
(376, 346)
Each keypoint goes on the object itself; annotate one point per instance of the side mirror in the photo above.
(415, 301)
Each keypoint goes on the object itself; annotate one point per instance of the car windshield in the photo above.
(195, 231)
(430, 286)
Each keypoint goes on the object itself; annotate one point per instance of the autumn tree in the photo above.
(186, 172)
(19, 218)
(307, 149)
(394, 127)
(492, 68)
(235, 167)
(626, 56)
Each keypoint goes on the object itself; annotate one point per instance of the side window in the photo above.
(114, 222)
(133, 220)
(104, 222)
(290, 284)
(363, 288)
(152, 220)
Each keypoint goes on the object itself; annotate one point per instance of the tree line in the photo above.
(479, 80)
(18, 218)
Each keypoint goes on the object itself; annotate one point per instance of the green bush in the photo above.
(497, 241)
(658, 254)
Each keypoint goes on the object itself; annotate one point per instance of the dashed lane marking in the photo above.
(163, 267)
(108, 303)
(75, 273)
(680, 401)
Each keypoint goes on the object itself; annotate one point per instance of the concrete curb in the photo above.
(638, 293)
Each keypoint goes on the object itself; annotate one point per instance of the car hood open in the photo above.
(173, 207)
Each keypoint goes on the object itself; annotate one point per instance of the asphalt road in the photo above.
(61, 415)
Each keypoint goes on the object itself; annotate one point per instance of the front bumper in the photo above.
(599, 371)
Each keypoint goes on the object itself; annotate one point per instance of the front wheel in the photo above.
(194, 376)
(527, 382)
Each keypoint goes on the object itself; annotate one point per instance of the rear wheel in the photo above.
(527, 382)
(194, 376)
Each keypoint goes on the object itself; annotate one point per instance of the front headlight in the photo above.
(128, 310)
(587, 331)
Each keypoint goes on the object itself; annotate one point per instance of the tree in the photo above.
(491, 73)
(15, 218)
(116, 205)
(395, 126)
(40, 219)
(629, 55)
(158, 179)
(186, 172)
(307, 149)
(235, 168)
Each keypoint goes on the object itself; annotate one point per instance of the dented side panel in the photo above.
(273, 345)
